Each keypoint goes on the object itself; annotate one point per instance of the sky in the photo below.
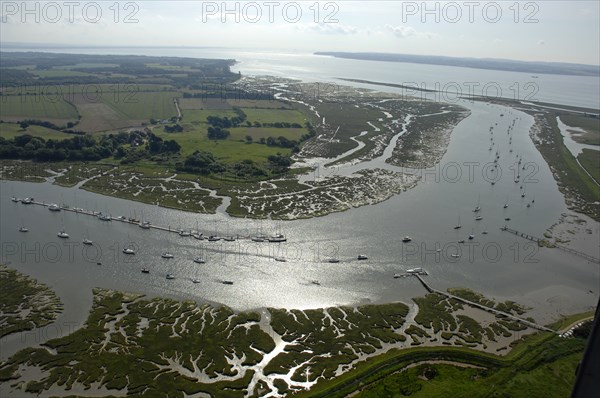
(550, 30)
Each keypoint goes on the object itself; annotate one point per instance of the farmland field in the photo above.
(59, 73)
(11, 130)
(274, 115)
(18, 107)
(240, 133)
(143, 105)
(228, 151)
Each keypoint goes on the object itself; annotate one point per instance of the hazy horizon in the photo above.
(523, 31)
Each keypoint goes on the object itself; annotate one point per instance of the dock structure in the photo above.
(121, 219)
(486, 308)
(563, 248)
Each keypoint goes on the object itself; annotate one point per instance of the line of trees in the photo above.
(85, 147)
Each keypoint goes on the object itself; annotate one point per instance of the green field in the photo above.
(240, 133)
(59, 73)
(198, 116)
(43, 107)
(228, 151)
(11, 130)
(143, 105)
(590, 160)
(264, 115)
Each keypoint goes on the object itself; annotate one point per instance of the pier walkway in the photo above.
(485, 308)
(564, 248)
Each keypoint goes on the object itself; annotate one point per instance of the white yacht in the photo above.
(406, 239)
(362, 257)
(23, 229)
(167, 255)
(333, 260)
(277, 238)
(199, 260)
(478, 218)
(170, 276)
(145, 225)
(185, 233)
(213, 238)
(455, 255)
(63, 234)
(14, 199)
(229, 239)
(54, 207)
(128, 250)
(88, 242)
(195, 280)
(414, 270)
(258, 239)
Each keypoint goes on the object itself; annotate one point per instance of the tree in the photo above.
(248, 139)
(23, 125)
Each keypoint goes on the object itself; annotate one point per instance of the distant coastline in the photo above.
(556, 68)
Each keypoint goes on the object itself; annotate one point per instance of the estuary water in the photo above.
(451, 81)
(496, 263)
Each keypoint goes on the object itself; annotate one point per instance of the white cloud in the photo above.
(401, 31)
(328, 28)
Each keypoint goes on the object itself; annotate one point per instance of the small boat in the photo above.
(195, 280)
(63, 235)
(128, 250)
(145, 225)
(316, 282)
(198, 236)
(229, 239)
(461, 241)
(14, 199)
(505, 206)
(145, 271)
(167, 255)
(227, 282)
(414, 270)
(528, 204)
(185, 233)
(258, 239)
(54, 207)
(398, 276)
(362, 257)
(333, 260)
(23, 229)
(458, 225)
(406, 239)
(104, 217)
(478, 218)
(455, 255)
(277, 238)
(477, 209)
(27, 201)
(213, 238)
(280, 259)
(170, 276)
(199, 260)
(471, 237)
(507, 219)
(88, 242)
